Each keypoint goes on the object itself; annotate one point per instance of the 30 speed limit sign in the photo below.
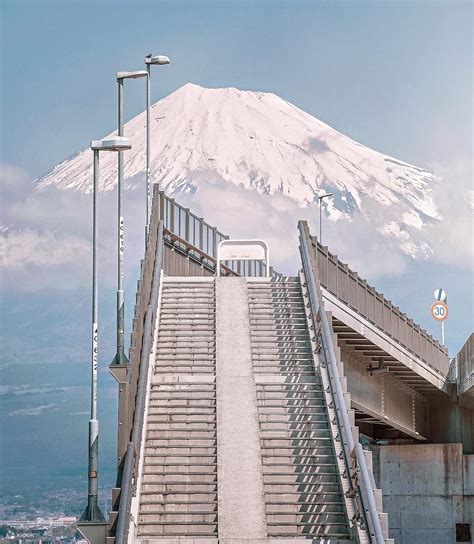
(439, 311)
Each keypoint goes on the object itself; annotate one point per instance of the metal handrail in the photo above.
(190, 247)
(134, 446)
(326, 257)
(184, 227)
(349, 447)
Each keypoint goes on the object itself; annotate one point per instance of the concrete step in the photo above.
(302, 468)
(181, 449)
(179, 487)
(291, 403)
(191, 426)
(152, 516)
(172, 403)
(180, 459)
(184, 441)
(180, 434)
(151, 475)
(297, 459)
(318, 530)
(302, 480)
(185, 417)
(294, 428)
(180, 411)
(178, 508)
(173, 530)
(179, 498)
(306, 508)
(278, 489)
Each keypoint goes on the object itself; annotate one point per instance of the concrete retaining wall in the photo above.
(427, 490)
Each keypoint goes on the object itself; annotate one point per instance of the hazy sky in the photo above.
(393, 75)
(396, 76)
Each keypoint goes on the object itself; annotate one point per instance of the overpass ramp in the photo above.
(240, 438)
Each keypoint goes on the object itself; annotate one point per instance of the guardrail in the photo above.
(354, 457)
(346, 285)
(143, 339)
(188, 231)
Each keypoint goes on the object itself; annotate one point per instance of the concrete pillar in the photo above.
(241, 501)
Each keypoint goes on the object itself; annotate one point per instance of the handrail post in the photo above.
(186, 226)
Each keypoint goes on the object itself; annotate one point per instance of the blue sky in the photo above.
(394, 75)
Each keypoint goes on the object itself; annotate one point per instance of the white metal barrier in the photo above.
(243, 250)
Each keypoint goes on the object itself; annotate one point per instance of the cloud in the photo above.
(275, 218)
(23, 248)
(453, 238)
(34, 411)
(45, 234)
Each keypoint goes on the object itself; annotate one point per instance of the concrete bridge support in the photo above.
(428, 492)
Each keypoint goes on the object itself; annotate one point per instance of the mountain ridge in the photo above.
(259, 141)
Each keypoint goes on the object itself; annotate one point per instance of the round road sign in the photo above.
(439, 311)
(440, 294)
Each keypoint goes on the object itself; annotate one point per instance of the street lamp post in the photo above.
(92, 520)
(320, 215)
(158, 60)
(120, 357)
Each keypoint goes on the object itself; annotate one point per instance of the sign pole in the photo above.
(439, 309)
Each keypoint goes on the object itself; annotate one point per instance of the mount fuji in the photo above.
(259, 142)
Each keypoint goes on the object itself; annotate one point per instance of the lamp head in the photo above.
(131, 75)
(157, 59)
(325, 196)
(117, 143)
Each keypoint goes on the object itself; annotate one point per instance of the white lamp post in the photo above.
(120, 357)
(158, 60)
(92, 520)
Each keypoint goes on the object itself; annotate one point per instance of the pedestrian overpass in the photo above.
(248, 395)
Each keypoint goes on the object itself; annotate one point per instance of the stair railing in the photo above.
(353, 453)
(132, 455)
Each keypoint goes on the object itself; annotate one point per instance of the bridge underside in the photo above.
(391, 388)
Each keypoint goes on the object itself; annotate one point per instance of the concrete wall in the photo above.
(427, 489)
(451, 422)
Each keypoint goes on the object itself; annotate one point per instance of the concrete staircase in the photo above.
(178, 483)
(240, 442)
(303, 493)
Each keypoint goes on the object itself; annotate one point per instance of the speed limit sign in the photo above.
(439, 311)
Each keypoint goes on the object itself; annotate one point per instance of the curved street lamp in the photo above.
(92, 520)
(156, 60)
(120, 357)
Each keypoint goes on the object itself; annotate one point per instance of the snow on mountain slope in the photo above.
(259, 141)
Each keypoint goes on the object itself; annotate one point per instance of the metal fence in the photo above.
(345, 284)
(191, 235)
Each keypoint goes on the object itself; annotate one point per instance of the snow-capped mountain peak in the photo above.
(259, 141)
